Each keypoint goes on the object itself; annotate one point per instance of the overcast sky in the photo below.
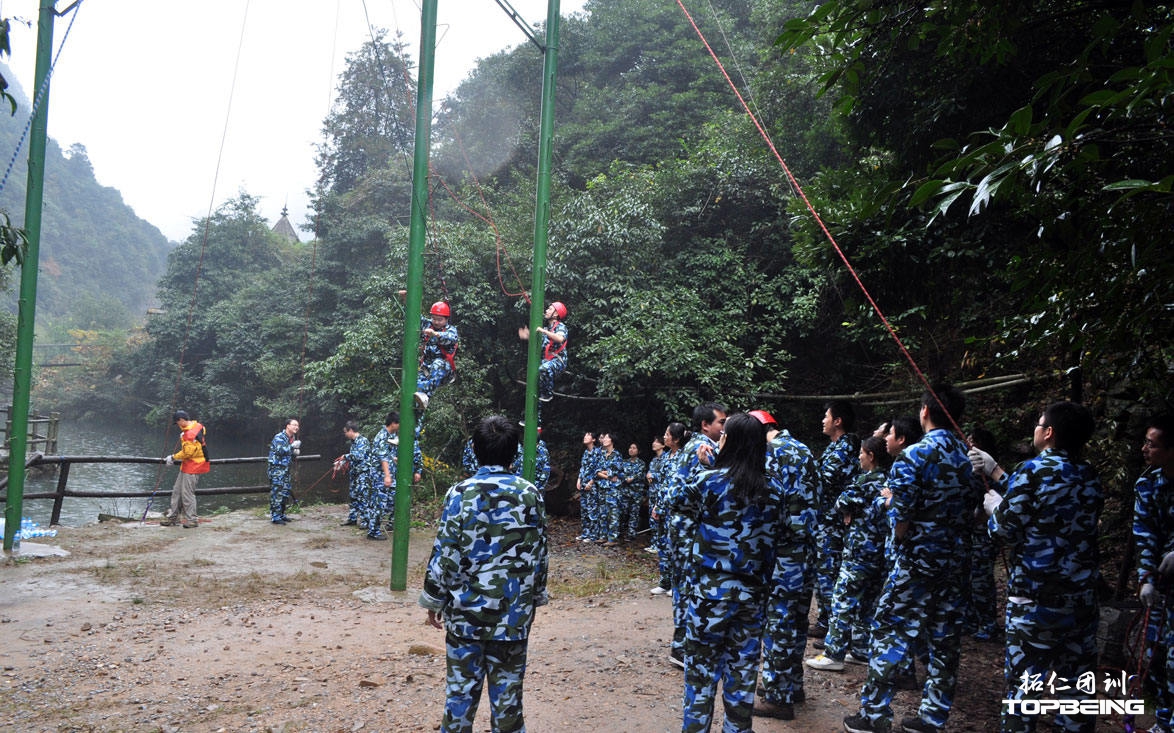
(145, 86)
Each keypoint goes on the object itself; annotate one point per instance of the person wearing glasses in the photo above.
(1047, 519)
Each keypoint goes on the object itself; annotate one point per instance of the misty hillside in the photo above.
(99, 262)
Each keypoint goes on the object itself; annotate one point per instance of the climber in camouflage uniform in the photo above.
(486, 576)
(933, 495)
(792, 465)
(1047, 519)
(736, 510)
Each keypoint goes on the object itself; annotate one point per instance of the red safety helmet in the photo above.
(560, 309)
(440, 308)
(763, 417)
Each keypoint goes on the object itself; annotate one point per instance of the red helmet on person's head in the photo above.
(560, 309)
(763, 417)
(440, 308)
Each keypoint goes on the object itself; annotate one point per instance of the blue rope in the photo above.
(36, 104)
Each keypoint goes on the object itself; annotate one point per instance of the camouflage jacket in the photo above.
(934, 492)
(838, 464)
(734, 541)
(487, 572)
(1048, 521)
(1153, 522)
(793, 466)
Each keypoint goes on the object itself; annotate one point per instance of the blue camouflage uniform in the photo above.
(366, 485)
(486, 576)
(589, 496)
(280, 481)
(726, 585)
(838, 463)
(554, 361)
(633, 492)
(661, 475)
(681, 528)
(862, 569)
(920, 606)
(793, 466)
(469, 459)
(541, 464)
(1048, 521)
(610, 493)
(982, 609)
(435, 368)
(386, 448)
(1153, 536)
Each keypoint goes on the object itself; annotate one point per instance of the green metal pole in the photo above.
(27, 313)
(541, 224)
(417, 232)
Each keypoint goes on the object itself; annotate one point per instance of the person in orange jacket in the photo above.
(194, 463)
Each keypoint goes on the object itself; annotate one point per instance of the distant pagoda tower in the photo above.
(284, 229)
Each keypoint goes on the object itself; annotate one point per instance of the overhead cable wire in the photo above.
(819, 220)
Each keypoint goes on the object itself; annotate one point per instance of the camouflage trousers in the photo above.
(593, 510)
(829, 548)
(1160, 632)
(785, 635)
(469, 663)
(612, 501)
(982, 611)
(722, 642)
(914, 611)
(631, 499)
(280, 491)
(850, 622)
(547, 371)
(374, 505)
(1046, 640)
(360, 489)
(432, 374)
(680, 530)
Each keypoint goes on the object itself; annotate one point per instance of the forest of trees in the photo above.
(998, 175)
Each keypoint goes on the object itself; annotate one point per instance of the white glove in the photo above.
(169, 460)
(296, 444)
(1166, 567)
(297, 451)
(991, 501)
(982, 461)
(1148, 594)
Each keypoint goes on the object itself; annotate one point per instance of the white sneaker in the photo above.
(421, 400)
(658, 591)
(825, 662)
(650, 550)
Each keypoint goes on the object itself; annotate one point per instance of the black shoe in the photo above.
(817, 632)
(767, 709)
(913, 724)
(677, 657)
(379, 536)
(348, 523)
(858, 724)
(279, 521)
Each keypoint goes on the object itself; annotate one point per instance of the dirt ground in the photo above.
(241, 625)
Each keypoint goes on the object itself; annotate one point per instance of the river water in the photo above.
(312, 479)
